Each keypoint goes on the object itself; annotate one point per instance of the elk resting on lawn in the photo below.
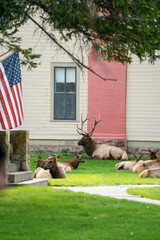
(55, 170)
(128, 165)
(149, 164)
(99, 150)
(74, 163)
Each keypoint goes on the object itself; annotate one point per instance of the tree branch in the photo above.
(76, 60)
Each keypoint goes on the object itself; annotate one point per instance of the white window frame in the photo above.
(65, 65)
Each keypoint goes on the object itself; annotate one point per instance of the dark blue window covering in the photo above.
(65, 80)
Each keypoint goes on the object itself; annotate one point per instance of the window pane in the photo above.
(70, 106)
(70, 80)
(59, 106)
(59, 79)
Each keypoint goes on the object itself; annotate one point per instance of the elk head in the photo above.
(51, 163)
(86, 137)
(152, 154)
(40, 162)
(138, 158)
(78, 158)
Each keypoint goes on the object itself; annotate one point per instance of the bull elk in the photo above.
(98, 150)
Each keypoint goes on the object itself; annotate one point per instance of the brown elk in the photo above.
(55, 170)
(150, 173)
(128, 165)
(152, 154)
(99, 150)
(149, 164)
(74, 163)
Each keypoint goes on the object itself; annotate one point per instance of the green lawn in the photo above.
(30, 213)
(44, 213)
(95, 173)
(152, 193)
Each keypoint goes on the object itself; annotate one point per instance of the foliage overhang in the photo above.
(116, 28)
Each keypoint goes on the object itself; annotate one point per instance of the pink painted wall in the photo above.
(107, 98)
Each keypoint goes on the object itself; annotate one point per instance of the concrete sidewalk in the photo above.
(118, 191)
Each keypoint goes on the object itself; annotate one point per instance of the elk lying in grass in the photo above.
(149, 164)
(55, 170)
(99, 150)
(128, 165)
(42, 173)
(150, 173)
(74, 163)
(152, 154)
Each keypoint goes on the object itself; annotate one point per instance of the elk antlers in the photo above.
(93, 127)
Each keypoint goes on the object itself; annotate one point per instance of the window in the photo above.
(65, 81)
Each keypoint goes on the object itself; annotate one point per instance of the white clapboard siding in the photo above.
(143, 101)
(37, 87)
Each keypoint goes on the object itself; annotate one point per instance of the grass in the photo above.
(152, 193)
(31, 213)
(95, 173)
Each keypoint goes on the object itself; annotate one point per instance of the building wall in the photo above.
(37, 87)
(107, 98)
(143, 101)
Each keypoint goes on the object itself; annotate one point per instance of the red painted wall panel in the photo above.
(107, 98)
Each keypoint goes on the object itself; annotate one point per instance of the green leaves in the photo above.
(115, 28)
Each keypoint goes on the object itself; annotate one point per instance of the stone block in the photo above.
(19, 143)
(16, 177)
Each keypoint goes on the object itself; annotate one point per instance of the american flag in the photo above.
(11, 106)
